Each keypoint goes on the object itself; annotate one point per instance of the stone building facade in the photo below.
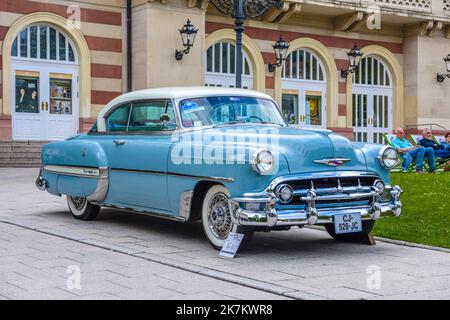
(62, 61)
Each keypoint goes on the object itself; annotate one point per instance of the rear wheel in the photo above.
(367, 226)
(80, 208)
(216, 218)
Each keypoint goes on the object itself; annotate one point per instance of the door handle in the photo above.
(119, 142)
(46, 106)
(42, 105)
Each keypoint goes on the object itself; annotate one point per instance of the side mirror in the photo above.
(164, 118)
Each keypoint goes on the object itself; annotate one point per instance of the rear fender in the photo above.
(76, 168)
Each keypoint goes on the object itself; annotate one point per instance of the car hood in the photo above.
(300, 147)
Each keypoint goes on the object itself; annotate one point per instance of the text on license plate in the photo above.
(347, 223)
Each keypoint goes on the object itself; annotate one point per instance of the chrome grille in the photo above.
(338, 190)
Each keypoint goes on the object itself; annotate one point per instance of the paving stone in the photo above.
(301, 263)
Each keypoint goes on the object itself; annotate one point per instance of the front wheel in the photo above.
(216, 218)
(80, 208)
(367, 226)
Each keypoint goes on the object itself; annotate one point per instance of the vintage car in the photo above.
(223, 156)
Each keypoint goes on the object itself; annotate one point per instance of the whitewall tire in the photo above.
(216, 218)
(80, 208)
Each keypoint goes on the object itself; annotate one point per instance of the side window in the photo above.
(118, 119)
(146, 116)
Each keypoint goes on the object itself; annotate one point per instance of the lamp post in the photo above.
(354, 58)
(441, 77)
(241, 10)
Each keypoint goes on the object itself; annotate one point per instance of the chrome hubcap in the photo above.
(219, 218)
(78, 202)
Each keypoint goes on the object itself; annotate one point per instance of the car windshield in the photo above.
(223, 110)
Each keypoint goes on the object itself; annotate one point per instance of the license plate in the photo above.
(347, 223)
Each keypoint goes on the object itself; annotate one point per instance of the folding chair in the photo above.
(440, 162)
(398, 168)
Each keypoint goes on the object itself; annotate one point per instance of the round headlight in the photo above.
(388, 157)
(284, 193)
(263, 161)
(379, 185)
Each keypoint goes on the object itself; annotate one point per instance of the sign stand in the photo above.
(232, 244)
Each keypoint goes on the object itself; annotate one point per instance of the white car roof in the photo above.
(175, 93)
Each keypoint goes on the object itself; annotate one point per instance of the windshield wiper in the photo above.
(268, 122)
(229, 122)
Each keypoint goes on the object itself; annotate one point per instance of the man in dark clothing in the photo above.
(428, 142)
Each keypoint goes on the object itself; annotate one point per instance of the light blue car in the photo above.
(225, 157)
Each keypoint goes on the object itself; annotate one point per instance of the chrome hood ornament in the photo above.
(332, 162)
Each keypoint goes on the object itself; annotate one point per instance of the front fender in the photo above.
(370, 152)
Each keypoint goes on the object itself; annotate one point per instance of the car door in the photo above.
(137, 145)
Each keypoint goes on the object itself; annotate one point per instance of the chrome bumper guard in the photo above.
(311, 215)
(41, 183)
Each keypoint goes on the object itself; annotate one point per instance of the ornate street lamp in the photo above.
(441, 77)
(280, 47)
(241, 10)
(354, 58)
(187, 33)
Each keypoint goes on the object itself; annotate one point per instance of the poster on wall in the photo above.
(61, 96)
(27, 94)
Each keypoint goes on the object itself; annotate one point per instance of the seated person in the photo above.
(428, 142)
(446, 143)
(408, 152)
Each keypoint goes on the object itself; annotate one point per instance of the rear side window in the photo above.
(143, 116)
(118, 119)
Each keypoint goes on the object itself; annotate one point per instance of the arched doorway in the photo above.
(44, 84)
(304, 89)
(372, 100)
(221, 66)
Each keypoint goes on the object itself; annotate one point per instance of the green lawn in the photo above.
(426, 210)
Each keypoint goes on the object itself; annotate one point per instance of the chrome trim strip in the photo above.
(102, 186)
(86, 172)
(175, 174)
(342, 196)
(147, 213)
(185, 204)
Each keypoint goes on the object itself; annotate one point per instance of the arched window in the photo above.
(221, 66)
(372, 72)
(372, 105)
(42, 42)
(303, 65)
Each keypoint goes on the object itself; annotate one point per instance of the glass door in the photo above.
(289, 106)
(313, 109)
(61, 114)
(45, 103)
(372, 116)
(27, 104)
(305, 108)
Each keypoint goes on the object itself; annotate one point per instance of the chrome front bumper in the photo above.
(311, 215)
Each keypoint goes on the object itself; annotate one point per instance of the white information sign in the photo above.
(231, 245)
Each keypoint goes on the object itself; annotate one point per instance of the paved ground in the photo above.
(44, 253)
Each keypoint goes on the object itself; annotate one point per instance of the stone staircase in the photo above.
(20, 153)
